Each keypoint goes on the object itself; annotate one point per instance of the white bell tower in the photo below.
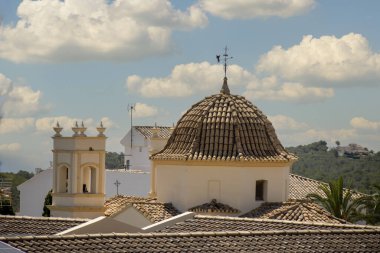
(78, 173)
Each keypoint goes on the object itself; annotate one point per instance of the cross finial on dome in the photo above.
(225, 89)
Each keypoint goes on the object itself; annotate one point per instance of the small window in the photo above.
(140, 149)
(261, 190)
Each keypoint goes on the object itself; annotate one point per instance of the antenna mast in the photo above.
(131, 108)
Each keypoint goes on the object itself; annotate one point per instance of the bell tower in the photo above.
(78, 173)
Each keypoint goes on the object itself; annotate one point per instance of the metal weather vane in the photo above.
(226, 57)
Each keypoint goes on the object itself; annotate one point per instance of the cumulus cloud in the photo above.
(362, 123)
(94, 29)
(18, 100)
(22, 100)
(187, 79)
(107, 122)
(143, 110)
(14, 125)
(336, 60)
(283, 122)
(5, 85)
(247, 9)
(270, 89)
(10, 147)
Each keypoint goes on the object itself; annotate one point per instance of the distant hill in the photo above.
(318, 162)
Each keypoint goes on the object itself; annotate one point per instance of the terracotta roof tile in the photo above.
(300, 187)
(224, 127)
(214, 207)
(164, 131)
(222, 223)
(152, 209)
(294, 211)
(24, 225)
(366, 240)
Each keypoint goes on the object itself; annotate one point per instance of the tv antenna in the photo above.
(226, 57)
(131, 108)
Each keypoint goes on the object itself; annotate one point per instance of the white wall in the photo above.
(33, 191)
(189, 186)
(132, 183)
(139, 160)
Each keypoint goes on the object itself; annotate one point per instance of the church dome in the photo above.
(224, 127)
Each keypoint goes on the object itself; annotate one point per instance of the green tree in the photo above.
(371, 207)
(48, 201)
(114, 160)
(337, 200)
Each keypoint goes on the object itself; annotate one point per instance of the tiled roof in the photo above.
(224, 127)
(164, 132)
(202, 223)
(300, 187)
(293, 211)
(149, 207)
(23, 225)
(366, 240)
(213, 207)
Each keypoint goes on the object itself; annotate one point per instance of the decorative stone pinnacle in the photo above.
(101, 129)
(82, 129)
(57, 129)
(76, 129)
(225, 89)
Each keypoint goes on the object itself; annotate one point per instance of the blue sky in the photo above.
(313, 67)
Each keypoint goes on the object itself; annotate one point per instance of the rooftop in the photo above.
(365, 240)
(153, 210)
(224, 127)
(300, 187)
(203, 223)
(24, 225)
(163, 131)
(213, 207)
(294, 211)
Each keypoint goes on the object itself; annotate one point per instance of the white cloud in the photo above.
(187, 79)
(10, 147)
(283, 122)
(362, 123)
(14, 125)
(323, 59)
(291, 92)
(94, 29)
(5, 85)
(22, 100)
(46, 124)
(143, 110)
(18, 100)
(246, 9)
(107, 122)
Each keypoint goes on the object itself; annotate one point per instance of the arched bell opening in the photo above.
(89, 179)
(63, 179)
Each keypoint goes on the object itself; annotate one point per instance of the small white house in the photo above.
(136, 145)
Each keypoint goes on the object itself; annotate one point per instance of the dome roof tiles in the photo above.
(224, 127)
